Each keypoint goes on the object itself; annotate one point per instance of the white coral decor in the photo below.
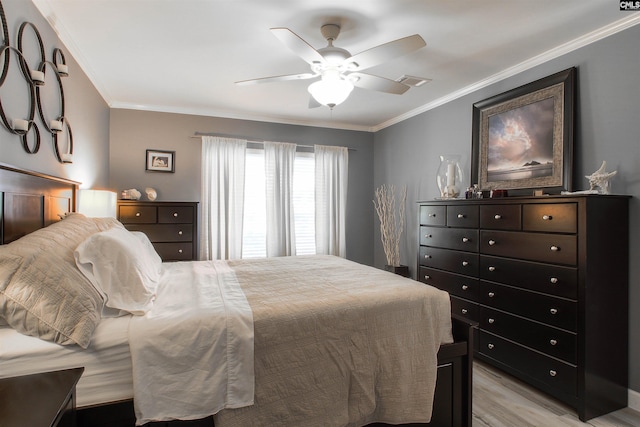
(391, 226)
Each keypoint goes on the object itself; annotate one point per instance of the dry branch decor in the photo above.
(391, 225)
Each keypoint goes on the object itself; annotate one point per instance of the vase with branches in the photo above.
(391, 216)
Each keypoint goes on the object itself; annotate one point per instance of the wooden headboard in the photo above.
(31, 200)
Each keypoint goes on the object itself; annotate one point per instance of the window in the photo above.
(254, 223)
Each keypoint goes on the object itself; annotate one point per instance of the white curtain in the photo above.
(222, 198)
(279, 161)
(331, 199)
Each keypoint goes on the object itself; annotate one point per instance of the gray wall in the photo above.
(133, 132)
(608, 112)
(85, 109)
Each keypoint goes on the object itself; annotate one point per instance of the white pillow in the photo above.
(124, 266)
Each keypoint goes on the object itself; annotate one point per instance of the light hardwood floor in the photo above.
(500, 400)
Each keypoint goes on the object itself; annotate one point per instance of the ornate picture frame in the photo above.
(160, 161)
(523, 139)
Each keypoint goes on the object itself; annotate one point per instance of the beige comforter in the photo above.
(339, 344)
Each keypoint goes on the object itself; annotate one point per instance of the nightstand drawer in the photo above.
(550, 218)
(501, 217)
(553, 248)
(174, 251)
(137, 214)
(433, 215)
(175, 214)
(455, 284)
(165, 232)
(462, 239)
(560, 375)
(552, 341)
(446, 259)
(546, 278)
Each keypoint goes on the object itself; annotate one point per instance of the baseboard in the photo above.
(634, 400)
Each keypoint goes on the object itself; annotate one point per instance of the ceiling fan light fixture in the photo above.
(331, 90)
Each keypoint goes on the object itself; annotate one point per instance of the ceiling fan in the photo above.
(339, 71)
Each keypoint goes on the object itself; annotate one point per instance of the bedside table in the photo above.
(47, 399)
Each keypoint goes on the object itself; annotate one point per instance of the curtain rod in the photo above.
(253, 141)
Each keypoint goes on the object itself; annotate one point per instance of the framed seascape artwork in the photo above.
(523, 139)
(160, 161)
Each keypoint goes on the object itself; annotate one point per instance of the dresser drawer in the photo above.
(550, 218)
(557, 374)
(462, 216)
(433, 215)
(462, 239)
(174, 251)
(501, 217)
(165, 232)
(175, 214)
(137, 214)
(544, 247)
(545, 278)
(445, 259)
(464, 308)
(553, 311)
(552, 341)
(455, 284)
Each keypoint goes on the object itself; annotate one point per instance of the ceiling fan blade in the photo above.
(300, 47)
(384, 52)
(377, 83)
(303, 76)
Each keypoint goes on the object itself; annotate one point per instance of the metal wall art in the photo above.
(43, 81)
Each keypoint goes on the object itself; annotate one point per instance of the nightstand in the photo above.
(46, 399)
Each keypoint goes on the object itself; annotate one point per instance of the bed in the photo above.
(377, 361)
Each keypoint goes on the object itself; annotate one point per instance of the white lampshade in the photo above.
(97, 203)
(331, 90)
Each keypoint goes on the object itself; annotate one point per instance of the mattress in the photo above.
(107, 361)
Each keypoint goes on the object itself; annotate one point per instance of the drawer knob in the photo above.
(553, 311)
(465, 263)
(547, 217)
(498, 216)
(554, 248)
(465, 240)
(553, 373)
(138, 214)
(492, 321)
(460, 216)
(464, 311)
(465, 287)
(180, 232)
(175, 214)
(432, 215)
(428, 236)
(553, 342)
(492, 268)
(554, 280)
(490, 346)
(179, 251)
(427, 277)
(427, 256)
(491, 294)
(492, 242)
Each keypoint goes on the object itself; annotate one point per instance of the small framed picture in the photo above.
(161, 161)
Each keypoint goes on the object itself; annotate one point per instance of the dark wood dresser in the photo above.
(171, 226)
(546, 278)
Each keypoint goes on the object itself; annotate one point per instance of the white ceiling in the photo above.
(185, 55)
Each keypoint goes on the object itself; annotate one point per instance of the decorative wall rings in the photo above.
(32, 105)
(61, 63)
(26, 69)
(46, 123)
(5, 42)
(67, 156)
(25, 139)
